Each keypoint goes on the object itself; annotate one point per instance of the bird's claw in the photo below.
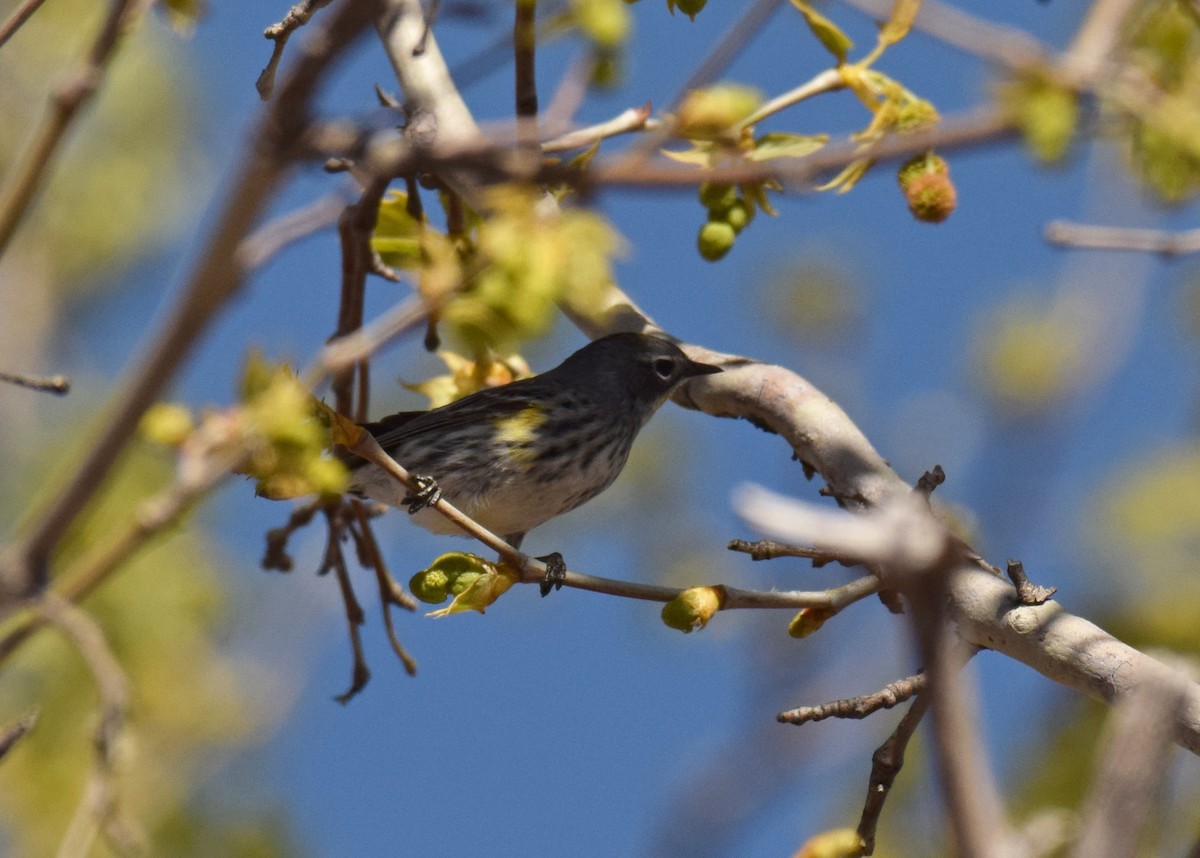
(556, 573)
(427, 494)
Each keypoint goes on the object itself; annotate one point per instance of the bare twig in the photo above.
(279, 33)
(18, 17)
(352, 348)
(271, 238)
(98, 807)
(1008, 46)
(1134, 768)
(859, 707)
(532, 570)
(56, 384)
(901, 535)
(65, 105)
(390, 592)
(16, 731)
(360, 674)
(829, 80)
(630, 119)
(1095, 237)
(973, 807)
(276, 556)
(216, 277)
(886, 763)
(1028, 593)
(524, 40)
(355, 226)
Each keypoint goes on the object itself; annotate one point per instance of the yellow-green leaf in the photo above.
(784, 145)
(899, 22)
(484, 589)
(827, 32)
(845, 181)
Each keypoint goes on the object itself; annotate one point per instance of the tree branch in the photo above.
(18, 17)
(68, 100)
(215, 279)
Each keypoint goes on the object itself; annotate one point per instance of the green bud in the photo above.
(430, 586)
(693, 608)
(691, 8)
(167, 423)
(808, 621)
(717, 197)
(715, 240)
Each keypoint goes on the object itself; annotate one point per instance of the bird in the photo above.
(515, 456)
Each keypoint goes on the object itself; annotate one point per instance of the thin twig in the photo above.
(1134, 768)
(271, 238)
(18, 17)
(532, 570)
(355, 226)
(829, 80)
(98, 807)
(14, 732)
(352, 348)
(973, 807)
(216, 277)
(859, 707)
(886, 763)
(65, 105)
(1096, 237)
(276, 556)
(732, 43)
(279, 33)
(768, 549)
(56, 384)
(390, 592)
(360, 674)
(524, 42)
(630, 119)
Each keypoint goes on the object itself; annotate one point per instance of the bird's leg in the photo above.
(556, 567)
(427, 494)
(556, 573)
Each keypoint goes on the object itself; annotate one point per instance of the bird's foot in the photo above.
(427, 494)
(556, 573)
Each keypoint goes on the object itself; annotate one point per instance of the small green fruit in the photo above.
(739, 215)
(716, 197)
(715, 240)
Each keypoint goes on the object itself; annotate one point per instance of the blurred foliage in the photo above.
(1028, 359)
(1146, 525)
(813, 298)
(501, 280)
(1165, 139)
(1046, 113)
(115, 189)
(164, 616)
(468, 376)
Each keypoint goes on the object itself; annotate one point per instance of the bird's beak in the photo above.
(695, 368)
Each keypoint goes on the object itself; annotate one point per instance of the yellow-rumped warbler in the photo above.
(515, 456)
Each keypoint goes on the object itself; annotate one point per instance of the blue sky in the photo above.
(579, 725)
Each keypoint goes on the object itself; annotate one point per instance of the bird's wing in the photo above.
(489, 404)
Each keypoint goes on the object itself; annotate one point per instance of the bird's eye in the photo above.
(664, 367)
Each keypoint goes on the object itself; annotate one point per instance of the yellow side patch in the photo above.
(517, 434)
